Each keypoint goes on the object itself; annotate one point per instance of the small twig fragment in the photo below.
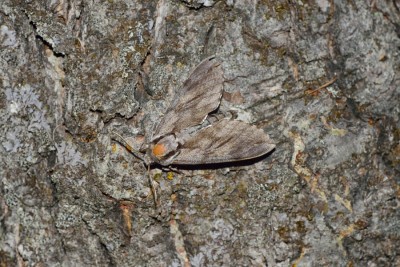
(315, 91)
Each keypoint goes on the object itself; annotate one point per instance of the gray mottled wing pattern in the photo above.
(200, 94)
(224, 141)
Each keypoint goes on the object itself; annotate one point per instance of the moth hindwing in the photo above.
(223, 141)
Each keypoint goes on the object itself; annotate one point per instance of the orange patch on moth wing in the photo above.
(159, 150)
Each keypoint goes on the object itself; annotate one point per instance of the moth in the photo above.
(178, 140)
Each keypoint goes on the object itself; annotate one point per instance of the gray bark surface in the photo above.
(320, 77)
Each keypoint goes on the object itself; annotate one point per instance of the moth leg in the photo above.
(170, 169)
(153, 188)
(212, 118)
(229, 115)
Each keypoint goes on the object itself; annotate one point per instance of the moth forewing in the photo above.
(201, 94)
(224, 141)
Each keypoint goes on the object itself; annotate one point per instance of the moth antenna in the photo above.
(126, 144)
(145, 163)
(152, 131)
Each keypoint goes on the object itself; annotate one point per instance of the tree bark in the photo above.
(320, 77)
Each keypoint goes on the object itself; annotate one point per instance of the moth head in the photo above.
(164, 150)
(159, 150)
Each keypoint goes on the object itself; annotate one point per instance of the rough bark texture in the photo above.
(73, 71)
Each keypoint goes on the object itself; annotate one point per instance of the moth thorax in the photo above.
(165, 147)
